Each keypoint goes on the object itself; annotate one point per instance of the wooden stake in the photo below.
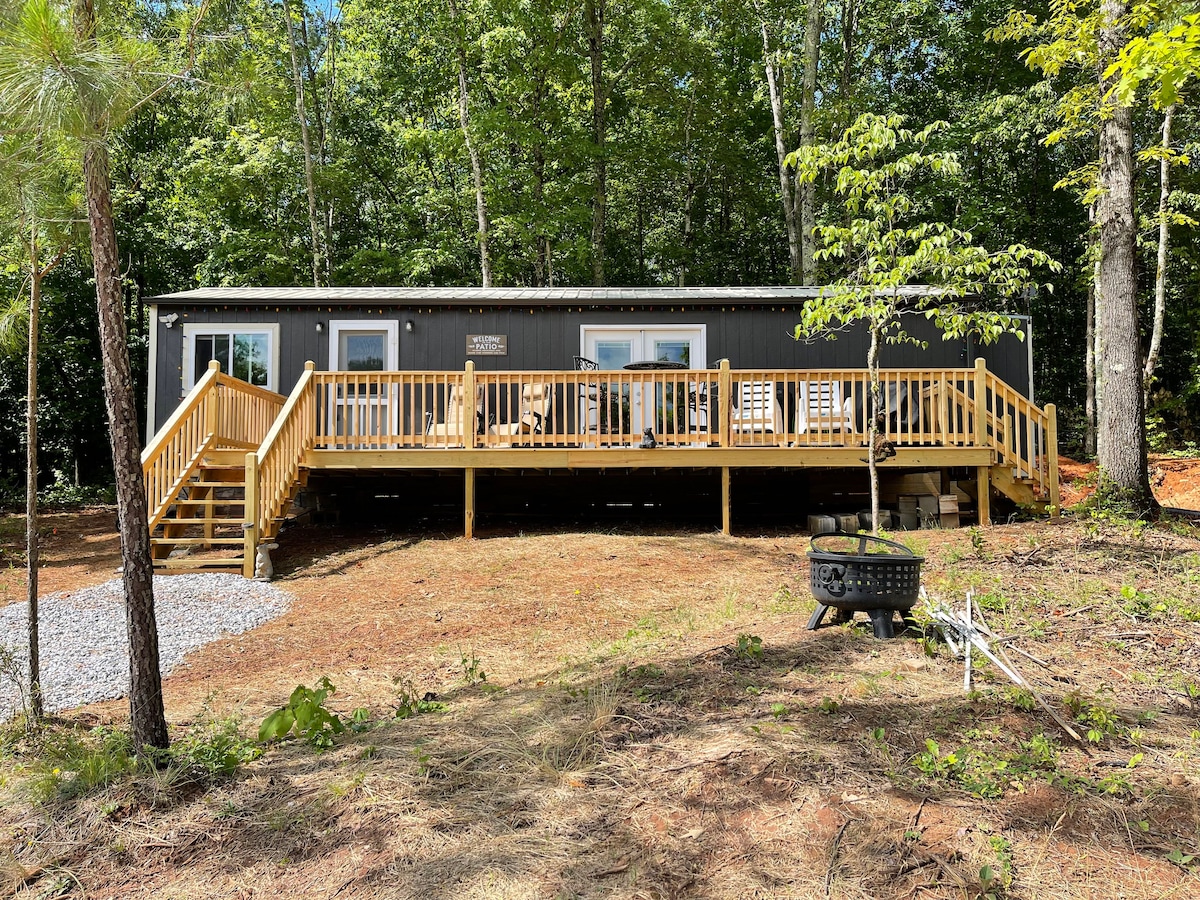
(983, 487)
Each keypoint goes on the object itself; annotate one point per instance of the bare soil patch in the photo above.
(622, 747)
(77, 549)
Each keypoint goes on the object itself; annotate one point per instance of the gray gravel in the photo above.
(84, 652)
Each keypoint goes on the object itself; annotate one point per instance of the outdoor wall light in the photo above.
(169, 319)
(408, 326)
(320, 327)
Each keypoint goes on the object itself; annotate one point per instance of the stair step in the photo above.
(207, 501)
(218, 522)
(217, 484)
(230, 459)
(189, 564)
(192, 541)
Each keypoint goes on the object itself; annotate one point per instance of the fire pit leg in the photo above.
(818, 614)
(881, 622)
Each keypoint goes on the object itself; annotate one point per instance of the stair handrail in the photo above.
(1041, 433)
(175, 451)
(271, 471)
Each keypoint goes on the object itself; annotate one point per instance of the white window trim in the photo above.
(699, 348)
(392, 327)
(270, 329)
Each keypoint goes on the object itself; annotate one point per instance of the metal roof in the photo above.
(476, 296)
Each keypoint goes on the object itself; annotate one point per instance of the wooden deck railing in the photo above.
(686, 408)
(220, 412)
(272, 470)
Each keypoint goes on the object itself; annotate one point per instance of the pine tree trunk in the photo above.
(785, 183)
(1122, 431)
(148, 724)
(314, 222)
(594, 11)
(464, 118)
(806, 192)
(31, 485)
(1164, 241)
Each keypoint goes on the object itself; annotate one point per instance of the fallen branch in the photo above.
(970, 634)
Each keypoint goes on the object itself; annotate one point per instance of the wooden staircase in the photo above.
(202, 530)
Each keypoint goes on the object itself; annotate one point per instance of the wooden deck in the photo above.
(225, 468)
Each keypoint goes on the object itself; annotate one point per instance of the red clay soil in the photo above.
(1175, 481)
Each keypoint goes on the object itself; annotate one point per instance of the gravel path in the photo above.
(84, 652)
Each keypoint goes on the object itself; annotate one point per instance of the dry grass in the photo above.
(621, 748)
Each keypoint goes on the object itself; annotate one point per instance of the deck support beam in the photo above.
(250, 516)
(983, 488)
(725, 511)
(469, 502)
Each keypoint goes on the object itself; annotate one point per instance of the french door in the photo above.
(615, 347)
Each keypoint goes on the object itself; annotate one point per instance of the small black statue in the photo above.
(648, 441)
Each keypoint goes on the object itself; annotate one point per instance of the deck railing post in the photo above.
(725, 399)
(470, 413)
(981, 402)
(212, 420)
(250, 516)
(1052, 456)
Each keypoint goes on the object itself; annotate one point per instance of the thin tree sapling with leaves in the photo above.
(887, 248)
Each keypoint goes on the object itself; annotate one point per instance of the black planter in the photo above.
(846, 576)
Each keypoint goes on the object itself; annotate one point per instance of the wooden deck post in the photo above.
(726, 522)
(981, 439)
(1052, 457)
(469, 500)
(983, 489)
(212, 420)
(470, 413)
(250, 516)
(725, 403)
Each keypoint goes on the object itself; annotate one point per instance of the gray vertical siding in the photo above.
(548, 338)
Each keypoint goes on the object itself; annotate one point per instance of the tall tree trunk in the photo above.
(1089, 364)
(1122, 427)
(31, 470)
(148, 724)
(849, 30)
(314, 220)
(1164, 240)
(594, 11)
(785, 182)
(806, 192)
(464, 118)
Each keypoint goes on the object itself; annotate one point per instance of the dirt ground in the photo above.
(609, 730)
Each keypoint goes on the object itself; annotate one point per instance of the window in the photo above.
(247, 352)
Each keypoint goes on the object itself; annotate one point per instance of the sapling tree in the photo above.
(888, 247)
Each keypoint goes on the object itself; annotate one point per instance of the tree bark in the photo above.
(785, 182)
(1164, 240)
(148, 724)
(873, 426)
(464, 117)
(31, 469)
(1089, 364)
(314, 222)
(1122, 427)
(806, 192)
(594, 11)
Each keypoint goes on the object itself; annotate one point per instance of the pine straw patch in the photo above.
(621, 747)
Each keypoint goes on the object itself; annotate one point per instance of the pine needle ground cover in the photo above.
(644, 715)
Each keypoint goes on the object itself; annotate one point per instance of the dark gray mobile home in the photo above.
(259, 387)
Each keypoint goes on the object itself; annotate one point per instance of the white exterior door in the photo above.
(371, 409)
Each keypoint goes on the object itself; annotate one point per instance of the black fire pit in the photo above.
(878, 581)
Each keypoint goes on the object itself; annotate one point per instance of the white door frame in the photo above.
(360, 414)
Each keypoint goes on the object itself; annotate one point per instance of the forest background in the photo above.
(577, 142)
